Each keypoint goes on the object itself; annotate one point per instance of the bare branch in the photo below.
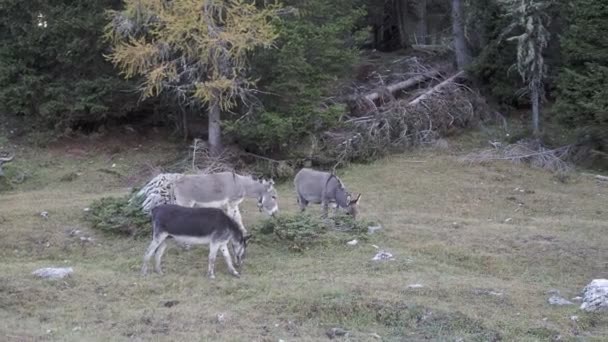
(436, 88)
(401, 85)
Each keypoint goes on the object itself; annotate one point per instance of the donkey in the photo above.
(323, 188)
(202, 226)
(225, 188)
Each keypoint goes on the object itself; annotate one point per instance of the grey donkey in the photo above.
(202, 226)
(225, 188)
(323, 188)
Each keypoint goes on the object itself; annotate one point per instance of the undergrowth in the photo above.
(116, 216)
(302, 231)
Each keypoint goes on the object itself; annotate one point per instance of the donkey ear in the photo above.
(247, 237)
(358, 198)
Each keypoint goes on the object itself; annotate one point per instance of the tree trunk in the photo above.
(184, 122)
(422, 31)
(401, 13)
(215, 130)
(463, 57)
(535, 94)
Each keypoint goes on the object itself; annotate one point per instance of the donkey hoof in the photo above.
(211, 275)
(236, 274)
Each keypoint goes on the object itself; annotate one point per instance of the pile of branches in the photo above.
(419, 118)
(530, 152)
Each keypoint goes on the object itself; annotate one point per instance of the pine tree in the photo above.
(52, 71)
(530, 16)
(582, 99)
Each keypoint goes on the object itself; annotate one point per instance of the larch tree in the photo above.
(195, 50)
(531, 18)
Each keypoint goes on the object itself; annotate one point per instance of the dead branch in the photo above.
(436, 88)
(393, 88)
(528, 152)
(597, 177)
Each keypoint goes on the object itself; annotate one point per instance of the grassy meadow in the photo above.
(486, 242)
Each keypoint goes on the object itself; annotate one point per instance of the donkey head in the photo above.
(240, 249)
(267, 201)
(347, 201)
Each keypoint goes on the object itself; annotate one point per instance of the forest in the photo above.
(292, 79)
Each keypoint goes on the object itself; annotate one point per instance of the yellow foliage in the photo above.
(217, 34)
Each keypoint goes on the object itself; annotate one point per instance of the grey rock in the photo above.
(557, 300)
(335, 332)
(595, 296)
(373, 229)
(53, 272)
(382, 255)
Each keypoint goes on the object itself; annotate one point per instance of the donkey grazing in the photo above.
(225, 188)
(195, 226)
(323, 188)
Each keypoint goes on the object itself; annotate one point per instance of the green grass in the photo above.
(443, 221)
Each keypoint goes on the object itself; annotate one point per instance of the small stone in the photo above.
(113, 165)
(86, 210)
(557, 300)
(170, 303)
(334, 332)
(45, 214)
(220, 318)
(376, 336)
(382, 255)
(415, 286)
(352, 242)
(574, 318)
(76, 329)
(53, 273)
(508, 220)
(577, 299)
(373, 229)
(376, 247)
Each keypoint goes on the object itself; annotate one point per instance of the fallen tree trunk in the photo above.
(410, 82)
(431, 49)
(436, 89)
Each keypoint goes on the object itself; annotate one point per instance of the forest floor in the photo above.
(488, 244)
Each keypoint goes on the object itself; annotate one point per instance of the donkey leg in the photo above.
(159, 254)
(228, 260)
(302, 203)
(213, 248)
(237, 217)
(325, 206)
(156, 241)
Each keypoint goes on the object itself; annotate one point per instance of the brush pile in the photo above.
(422, 105)
(531, 152)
